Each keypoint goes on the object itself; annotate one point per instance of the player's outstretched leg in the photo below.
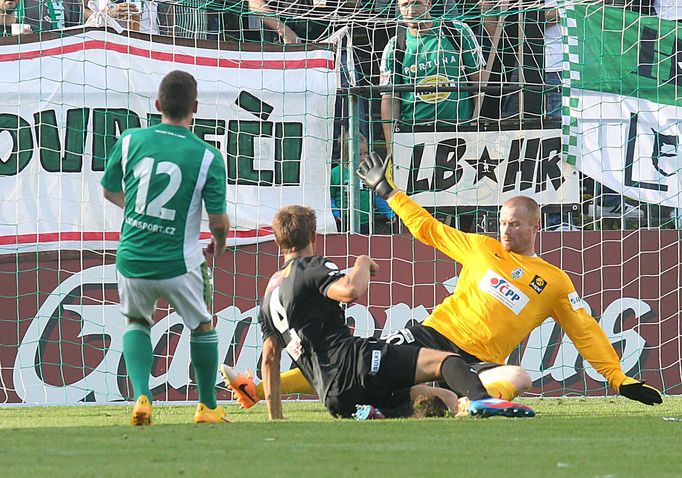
(490, 407)
(142, 412)
(367, 412)
(241, 385)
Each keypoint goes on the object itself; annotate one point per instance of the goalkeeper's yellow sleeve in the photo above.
(292, 381)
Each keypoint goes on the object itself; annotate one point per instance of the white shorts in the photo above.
(189, 294)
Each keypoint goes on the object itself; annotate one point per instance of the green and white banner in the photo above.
(269, 112)
(483, 168)
(623, 101)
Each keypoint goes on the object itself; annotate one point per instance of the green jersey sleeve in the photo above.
(472, 53)
(214, 193)
(112, 179)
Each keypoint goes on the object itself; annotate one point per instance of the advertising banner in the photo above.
(65, 345)
(270, 113)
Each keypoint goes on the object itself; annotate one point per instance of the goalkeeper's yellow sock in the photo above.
(501, 389)
(292, 381)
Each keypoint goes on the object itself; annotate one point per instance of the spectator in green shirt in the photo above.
(436, 53)
(340, 176)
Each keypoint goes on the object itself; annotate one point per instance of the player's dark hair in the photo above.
(294, 227)
(177, 94)
(425, 406)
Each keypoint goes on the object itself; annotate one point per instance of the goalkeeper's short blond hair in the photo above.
(531, 205)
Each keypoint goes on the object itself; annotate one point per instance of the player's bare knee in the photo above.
(428, 365)
(203, 328)
(137, 321)
(521, 379)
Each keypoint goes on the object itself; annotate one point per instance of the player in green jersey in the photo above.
(160, 176)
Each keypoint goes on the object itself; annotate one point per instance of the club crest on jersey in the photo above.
(504, 291)
(517, 273)
(538, 284)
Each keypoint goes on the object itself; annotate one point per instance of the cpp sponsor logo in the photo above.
(505, 288)
(500, 288)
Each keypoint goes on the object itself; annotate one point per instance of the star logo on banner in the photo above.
(485, 166)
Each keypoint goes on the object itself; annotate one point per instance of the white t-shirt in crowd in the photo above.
(149, 19)
(669, 9)
(553, 48)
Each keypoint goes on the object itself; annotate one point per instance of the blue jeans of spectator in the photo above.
(213, 25)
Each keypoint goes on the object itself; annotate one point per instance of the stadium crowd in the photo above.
(446, 42)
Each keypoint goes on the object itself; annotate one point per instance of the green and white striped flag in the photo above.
(622, 101)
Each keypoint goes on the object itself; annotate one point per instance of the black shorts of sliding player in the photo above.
(377, 374)
(428, 337)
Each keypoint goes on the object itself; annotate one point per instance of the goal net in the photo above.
(571, 103)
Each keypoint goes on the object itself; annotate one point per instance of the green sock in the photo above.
(203, 349)
(138, 353)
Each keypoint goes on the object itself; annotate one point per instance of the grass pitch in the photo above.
(569, 438)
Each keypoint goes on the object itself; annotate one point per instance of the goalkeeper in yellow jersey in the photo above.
(503, 292)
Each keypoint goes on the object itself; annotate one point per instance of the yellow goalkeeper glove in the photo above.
(640, 391)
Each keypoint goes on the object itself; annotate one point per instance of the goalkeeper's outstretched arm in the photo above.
(596, 348)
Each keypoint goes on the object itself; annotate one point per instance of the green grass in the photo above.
(569, 438)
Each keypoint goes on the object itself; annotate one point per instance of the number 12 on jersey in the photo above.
(144, 170)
